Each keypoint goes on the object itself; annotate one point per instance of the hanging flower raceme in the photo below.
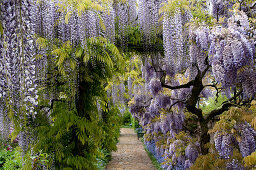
(232, 59)
(155, 86)
(175, 41)
(121, 11)
(19, 61)
(148, 18)
(109, 23)
(10, 50)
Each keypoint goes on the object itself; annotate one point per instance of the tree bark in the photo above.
(81, 105)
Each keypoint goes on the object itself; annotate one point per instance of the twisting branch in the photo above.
(234, 97)
(219, 111)
(50, 107)
(179, 101)
(187, 85)
(207, 67)
(216, 88)
(162, 80)
(225, 106)
(253, 5)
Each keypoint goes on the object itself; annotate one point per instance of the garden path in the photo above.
(130, 154)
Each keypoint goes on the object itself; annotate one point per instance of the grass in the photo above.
(156, 164)
(103, 162)
(126, 126)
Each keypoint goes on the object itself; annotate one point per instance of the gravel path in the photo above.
(130, 153)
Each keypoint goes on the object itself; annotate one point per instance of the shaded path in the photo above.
(130, 153)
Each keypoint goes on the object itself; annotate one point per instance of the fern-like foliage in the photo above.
(80, 123)
(100, 50)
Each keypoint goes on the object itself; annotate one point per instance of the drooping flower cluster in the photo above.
(225, 143)
(155, 86)
(109, 22)
(18, 60)
(239, 22)
(148, 16)
(201, 39)
(9, 62)
(121, 12)
(191, 153)
(233, 59)
(180, 160)
(247, 145)
(10, 51)
(175, 41)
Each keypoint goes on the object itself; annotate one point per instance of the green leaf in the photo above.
(102, 25)
(67, 17)
(1, 28)
(79, 52)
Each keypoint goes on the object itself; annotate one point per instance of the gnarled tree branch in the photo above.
(225, 106)
(187, 85)
(219, 111)
(216, 88)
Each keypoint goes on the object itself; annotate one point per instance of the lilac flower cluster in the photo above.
(18, 59)
(155, 86)
(109, 22)
(121, 12)
(247, 145)
(175, 41)
(148, 17)
(224, 143)
(10, 51)
(198, 50)
(233, 59)
(181, 161)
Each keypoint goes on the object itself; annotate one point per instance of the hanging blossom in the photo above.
(19, 59)
(2, 71)
(109, 22)
(132, 8)
(148, 19)
(81, 28)
(29, 52)
(121, 12)
(49, 18)
(224, 143)
(11, 50)
(233, 59)
(4, 120)
(28, 81)
(175, 41)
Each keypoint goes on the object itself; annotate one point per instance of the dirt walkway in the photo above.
(130, 153)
